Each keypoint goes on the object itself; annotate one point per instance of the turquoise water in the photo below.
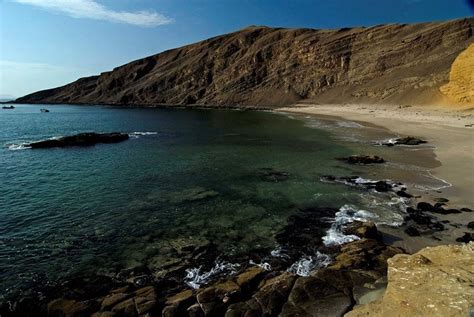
(188, 177)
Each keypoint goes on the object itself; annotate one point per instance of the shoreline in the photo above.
(450, 131)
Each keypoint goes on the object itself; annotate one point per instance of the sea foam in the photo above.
(306, 264)
(195, 277)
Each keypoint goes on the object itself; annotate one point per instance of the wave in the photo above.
(195, 277)
(346, 214)
(307, 264)
(264, 265)
(20, 146)
(139, 133)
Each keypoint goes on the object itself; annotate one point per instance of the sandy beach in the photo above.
(450, 130)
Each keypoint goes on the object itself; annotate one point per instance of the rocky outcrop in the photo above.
(436, 281)
(263, 66)
(81, 139)
(461, 78)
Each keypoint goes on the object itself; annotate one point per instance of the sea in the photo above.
(185, 177)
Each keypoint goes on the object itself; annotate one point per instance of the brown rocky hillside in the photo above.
(262, 66)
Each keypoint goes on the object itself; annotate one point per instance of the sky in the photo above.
(49, 43)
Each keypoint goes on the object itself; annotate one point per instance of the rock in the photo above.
(441, 200)
(273, 293)
(440, 210)
(363, 230)
(470, 225)
(184, 298)
(404, 194)
(113, 299)
(466, 238)
(382, 186)
(424, 283)
(423, 206)
(466, 209)
(271, 175)
(412, 231)
(311, 296)
(362, 159)
(70, 308)
(215, 299)
(304, 230)
(409, 140)
(104, 314)
(250, 277)
(367, 254)
(195, 311)
(81, 139)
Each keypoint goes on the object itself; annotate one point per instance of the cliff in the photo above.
(262, 66)
(435, 281)
(461, 78)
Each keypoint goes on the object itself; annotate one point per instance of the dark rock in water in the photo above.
(363, 230)
(362, 159)
(404, 194)
(439, 205)
(268, 174)
(409, 140)
(441, 200)
(423, 206)
(412, 231)
(304, 230)
(8, 107)
(81, 139)
(471, 225)
(440, 210)
(466, 238)
(419, 223)
(466, 209)
(383, 186)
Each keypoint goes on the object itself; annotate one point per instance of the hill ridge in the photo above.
(266, 66)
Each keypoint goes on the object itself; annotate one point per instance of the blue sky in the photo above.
(47, 43)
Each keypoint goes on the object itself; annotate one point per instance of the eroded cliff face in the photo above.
(461, 78)
(261, 66)
(435, 281)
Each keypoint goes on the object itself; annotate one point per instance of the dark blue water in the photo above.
(188, 177)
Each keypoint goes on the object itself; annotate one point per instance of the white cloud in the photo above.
(92, 10)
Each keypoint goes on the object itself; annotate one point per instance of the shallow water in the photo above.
(185, 177)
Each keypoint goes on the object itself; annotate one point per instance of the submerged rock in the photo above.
(466, 238)
(81, 139)
(269, 174)
(362, 159)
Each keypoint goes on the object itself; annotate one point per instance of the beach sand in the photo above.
(449, 130)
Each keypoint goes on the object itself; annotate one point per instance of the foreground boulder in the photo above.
(81, 139)
(436, 281)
